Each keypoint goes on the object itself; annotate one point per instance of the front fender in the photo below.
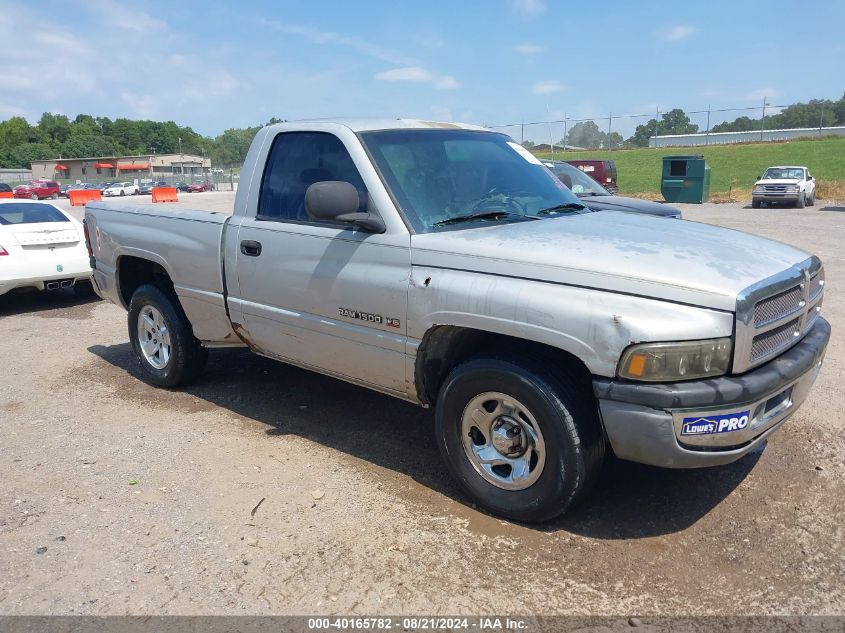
(593, 325)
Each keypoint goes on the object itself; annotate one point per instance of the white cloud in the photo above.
(126, 17)
(417, 74)
(529, 49)
(678, 33)
(330, 37)
(528, 8)
(547, 87)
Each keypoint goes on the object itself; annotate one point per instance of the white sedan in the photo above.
(121, 189)
(41, 247)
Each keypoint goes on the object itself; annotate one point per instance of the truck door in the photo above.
(315, 293)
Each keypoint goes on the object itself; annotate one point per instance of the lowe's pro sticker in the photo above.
(723, 423)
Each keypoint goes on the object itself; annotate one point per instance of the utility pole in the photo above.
(565, 122)
(182, 157)
(707, 134)
(763, 119)
(656, 123)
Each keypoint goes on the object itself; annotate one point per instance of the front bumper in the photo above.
(713, 421)
(776, 197)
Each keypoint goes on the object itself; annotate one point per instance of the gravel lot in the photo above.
(118, 498)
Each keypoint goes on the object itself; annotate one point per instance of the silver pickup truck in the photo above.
(445, 265)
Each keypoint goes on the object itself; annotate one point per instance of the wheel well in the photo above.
(133, 272)
(444, 347)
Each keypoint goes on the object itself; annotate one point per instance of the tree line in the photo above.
(813, 114)
(55, 135)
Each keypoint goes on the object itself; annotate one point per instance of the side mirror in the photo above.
(338, 201)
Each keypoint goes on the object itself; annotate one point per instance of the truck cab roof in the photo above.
(371, 124)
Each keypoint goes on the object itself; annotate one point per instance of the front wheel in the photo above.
(520, 441)
(812, 201)
(802, 201)
(755, 204)
(34, 196)
(162, 338)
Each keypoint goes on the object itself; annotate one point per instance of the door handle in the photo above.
(251, 248)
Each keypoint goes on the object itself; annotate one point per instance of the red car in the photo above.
(196, 187)
(602, 171)
(38, 190)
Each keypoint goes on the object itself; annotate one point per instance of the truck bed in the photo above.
(185, 241)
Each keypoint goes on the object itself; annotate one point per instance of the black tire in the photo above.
(187, 355)
(801, 202)
(812, 201)
(122, 193)
(55, 196)
(34, 197)
(565, 410)
(755, 204)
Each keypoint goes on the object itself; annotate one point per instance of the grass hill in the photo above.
(734, 168)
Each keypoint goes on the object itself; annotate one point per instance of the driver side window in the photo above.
(296, 161)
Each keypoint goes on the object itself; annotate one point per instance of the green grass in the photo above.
(733, 167)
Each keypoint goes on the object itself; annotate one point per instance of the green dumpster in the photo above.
(685, 179)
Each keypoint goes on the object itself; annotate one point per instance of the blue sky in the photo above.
(215, 65)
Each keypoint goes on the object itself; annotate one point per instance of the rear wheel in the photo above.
(522, 442)
(162, 338)
(812, 201)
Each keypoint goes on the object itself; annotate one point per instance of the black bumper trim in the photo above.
(713, 392)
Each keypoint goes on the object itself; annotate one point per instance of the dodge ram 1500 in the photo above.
(445, 265)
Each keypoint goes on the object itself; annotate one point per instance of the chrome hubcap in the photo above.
(153, 337)
(502, 441)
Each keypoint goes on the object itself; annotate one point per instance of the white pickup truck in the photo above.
(793, 185)
(445, 265)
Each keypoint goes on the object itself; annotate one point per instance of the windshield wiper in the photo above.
(559, 208)
(484, 215)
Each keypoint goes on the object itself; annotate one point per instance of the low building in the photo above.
(121, 167)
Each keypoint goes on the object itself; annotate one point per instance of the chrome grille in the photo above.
(774, 340)
(773, 315)
(817, 284)
(813, 314)
(775, 188)
(777, 307)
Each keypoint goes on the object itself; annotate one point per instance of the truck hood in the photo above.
(620, 203)
(681, 261)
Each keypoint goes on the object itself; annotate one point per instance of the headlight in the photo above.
(668, 362)
(759, 188)
(792, 188)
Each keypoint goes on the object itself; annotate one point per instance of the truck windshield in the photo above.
(781, 173)
(448, 179)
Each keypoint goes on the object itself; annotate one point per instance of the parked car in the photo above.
(181, 186)
(121, 189)
(597, 198)
(41, 247)
(793, 185)
(103, 185)
(446, 266)
(146, 188)
(196, 187)
(602, 171)
(4, 188)
(38, 190)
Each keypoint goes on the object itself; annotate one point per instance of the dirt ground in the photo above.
(119, 498)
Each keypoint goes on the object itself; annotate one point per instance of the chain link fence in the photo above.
(617, 130)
